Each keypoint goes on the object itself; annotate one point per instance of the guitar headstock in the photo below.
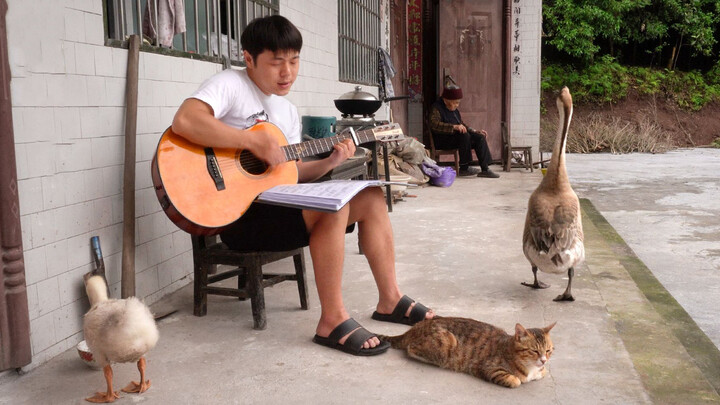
(388, 132)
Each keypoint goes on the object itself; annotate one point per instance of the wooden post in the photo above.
(15, 349)
(131, 95)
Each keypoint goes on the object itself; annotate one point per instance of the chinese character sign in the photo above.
(414, 50)
(516, 37)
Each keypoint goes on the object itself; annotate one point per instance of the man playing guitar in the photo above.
(219, 115)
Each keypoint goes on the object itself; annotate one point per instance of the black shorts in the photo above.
(265, 227)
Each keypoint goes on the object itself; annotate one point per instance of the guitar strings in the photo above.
(290, 151)
(318, 145)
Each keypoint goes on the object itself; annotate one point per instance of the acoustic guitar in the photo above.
(203, 190)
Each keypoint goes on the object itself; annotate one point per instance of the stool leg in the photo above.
(299, 260)
(527, 158)
(242, 280)
(531, 161)
(257, 294)
(199, 292)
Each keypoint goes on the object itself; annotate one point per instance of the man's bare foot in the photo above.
(404, 310)
(324, 330)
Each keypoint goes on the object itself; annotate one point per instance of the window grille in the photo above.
(207, 22)
(359, 39)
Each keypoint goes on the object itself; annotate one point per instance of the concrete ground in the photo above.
(667, 208)
(623, 341)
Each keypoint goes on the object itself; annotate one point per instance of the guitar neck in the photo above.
(321, 145)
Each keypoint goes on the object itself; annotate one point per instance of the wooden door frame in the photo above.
(15, 348)
(399, 81)
(430, 64)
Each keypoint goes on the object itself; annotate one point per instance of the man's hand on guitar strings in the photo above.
(266, 148)
(342, 151)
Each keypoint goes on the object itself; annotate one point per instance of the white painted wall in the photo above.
(68, 94)
(525, 87)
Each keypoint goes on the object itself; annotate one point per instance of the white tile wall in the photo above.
(525, 108)
(48, 295)
(37, 124)
(31, 187)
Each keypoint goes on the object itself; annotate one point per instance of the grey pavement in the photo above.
(667, 208)
(458, 251)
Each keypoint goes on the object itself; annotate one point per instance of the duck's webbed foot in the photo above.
(537, 284)
(137, 387)
(567, 295)
(109, 395)
(564, 297)
(141, 386)
(103, 397)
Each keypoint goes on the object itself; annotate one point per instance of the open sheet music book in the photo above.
(325, 196)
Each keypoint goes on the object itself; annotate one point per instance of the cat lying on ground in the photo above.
(479, 349)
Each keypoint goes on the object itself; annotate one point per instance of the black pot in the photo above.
(358, 102)
(358, 107)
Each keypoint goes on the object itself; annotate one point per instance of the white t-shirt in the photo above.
(238, 102)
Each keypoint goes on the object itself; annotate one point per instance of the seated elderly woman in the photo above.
(450, 132)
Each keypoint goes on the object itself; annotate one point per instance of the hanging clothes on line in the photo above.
(171, 20)
(386, 71)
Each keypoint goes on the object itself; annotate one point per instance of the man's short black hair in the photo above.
(273, 33)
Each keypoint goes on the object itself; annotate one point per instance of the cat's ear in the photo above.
(520, 331)
(549, 327)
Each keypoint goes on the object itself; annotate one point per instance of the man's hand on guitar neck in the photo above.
(314, 169)
(342, 151)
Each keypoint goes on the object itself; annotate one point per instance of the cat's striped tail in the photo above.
(396, 342)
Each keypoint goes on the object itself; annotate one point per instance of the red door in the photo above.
(470, 50)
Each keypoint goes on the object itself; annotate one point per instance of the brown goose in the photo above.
(553, 236)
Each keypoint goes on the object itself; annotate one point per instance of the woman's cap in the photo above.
(452, 92)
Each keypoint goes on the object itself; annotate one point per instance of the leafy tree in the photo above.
(579, 27)
(586, 29)
(693, 23)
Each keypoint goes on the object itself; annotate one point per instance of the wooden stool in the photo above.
(251, 279)
(527, 157)
(509, 149)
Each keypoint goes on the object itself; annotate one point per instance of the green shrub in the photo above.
(605, 81)
(608, 82)
(648, 81)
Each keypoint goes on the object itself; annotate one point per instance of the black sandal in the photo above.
(417, 314)
(354, 342)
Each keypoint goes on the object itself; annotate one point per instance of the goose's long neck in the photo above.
(557, 173)
(96, 290)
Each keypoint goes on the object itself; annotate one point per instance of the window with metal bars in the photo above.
(359, 39)
(212, 27)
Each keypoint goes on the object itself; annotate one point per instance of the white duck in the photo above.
(553, 236)
(117, 331)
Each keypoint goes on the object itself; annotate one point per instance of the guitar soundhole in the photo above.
(250, 163)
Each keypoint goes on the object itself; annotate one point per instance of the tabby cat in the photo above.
(479, 349)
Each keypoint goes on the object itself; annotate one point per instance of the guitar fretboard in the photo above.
(320, 145)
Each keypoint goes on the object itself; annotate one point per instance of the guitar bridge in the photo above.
(214, 169)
